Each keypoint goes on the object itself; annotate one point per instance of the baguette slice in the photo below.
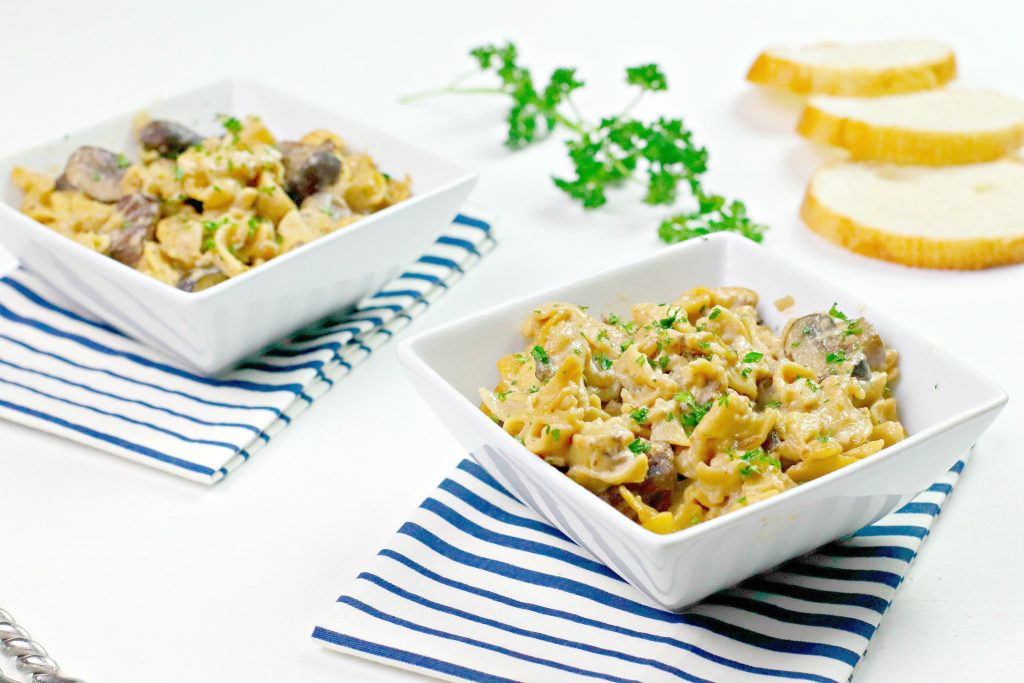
(935, 128)
(960, 217)
(862, 70)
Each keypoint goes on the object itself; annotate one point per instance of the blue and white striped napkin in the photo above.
(63, 371)
(476, 587)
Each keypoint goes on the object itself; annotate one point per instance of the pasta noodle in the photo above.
(695, 408)
(194, 212)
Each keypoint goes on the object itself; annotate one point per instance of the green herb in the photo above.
(178, 172)
(723, 400)
(667, 323)
(639, 415)
(603, 361)
(754, 460)
(602, 335)
(659, 155)
(715, 313)
(853, 327)
(753, 357)
(268, 189)
(745, 371)
(663, 362)
(520, 357)
(123, 161)
(254, 223)
(641, 359)
(533, 390)
(811, 383)
(279, 239)
(824, 437)
(208, 244)
(613, 319)
(503, 395)
(835, 358)
(742, 501)
(795, 345)
(625, 345)
(232, 125)
(539, 354)
(689, 419)
(836, 313)
(773, 404)
(583, 308)
(638, 446)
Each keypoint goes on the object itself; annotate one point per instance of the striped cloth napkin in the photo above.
(476, 587)
(63, 371)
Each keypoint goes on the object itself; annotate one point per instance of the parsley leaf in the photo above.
(639, 446)
(753, 357)
(835, 358)
(540, 355)
(639, 415)
(660, 154)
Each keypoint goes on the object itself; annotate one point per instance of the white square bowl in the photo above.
(944, 404)
(211, 329)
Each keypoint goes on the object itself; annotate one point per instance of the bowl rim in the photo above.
(410, 357)
(70, 249)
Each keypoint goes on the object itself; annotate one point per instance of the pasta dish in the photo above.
(695, 408)
(194, 211)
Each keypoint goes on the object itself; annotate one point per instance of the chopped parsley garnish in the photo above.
(663, 362)
(824, 437)
(853, 327)
(753, 357)
(556, 434)
(254, 223)
(639, 415)
(745, 371)
(602, 335)
(668, 322)
(208, 244)
(603, 361)
(723, 400)
(123, 161)
(540, 355)
(268, 189)
(755, 459)
(613, 319)
(836, 313)
(502, 395)
(689, 419)
(520, 357)
(232, 125)
(639, 446)
(715, 313)
(178, 173)
(808, 330)
(811, 383)
(625, 345)
(533, 390)
(641, 359)
(835, 358)
(773, 404)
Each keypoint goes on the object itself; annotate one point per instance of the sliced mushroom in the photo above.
(141, 213)
(95, 172)
(658, 485)
(309, 169)
(167, 138)
(823, 344)
(199, 280)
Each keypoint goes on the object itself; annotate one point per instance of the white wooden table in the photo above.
(128, 575)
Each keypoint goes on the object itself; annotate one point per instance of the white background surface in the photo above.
(129, 575)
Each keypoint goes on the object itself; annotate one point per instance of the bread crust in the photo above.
(919, 251)
(771, 69)
(866, 141)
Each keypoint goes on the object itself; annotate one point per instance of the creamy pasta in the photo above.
(695, 408)
(194, 211)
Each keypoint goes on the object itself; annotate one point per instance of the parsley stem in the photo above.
(450, 90)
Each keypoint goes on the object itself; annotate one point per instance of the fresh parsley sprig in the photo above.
(660, 155)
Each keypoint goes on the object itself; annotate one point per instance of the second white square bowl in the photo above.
(211, 329)
(944, 405)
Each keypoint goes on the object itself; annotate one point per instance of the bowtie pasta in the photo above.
(695, 408)
(196, 211)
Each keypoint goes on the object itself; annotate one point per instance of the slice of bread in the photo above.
(862, 70)
(961, 217)
(937, 127)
